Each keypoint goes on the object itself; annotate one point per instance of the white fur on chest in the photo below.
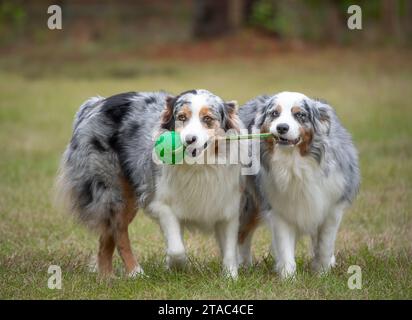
(200, 195)
(298, 190)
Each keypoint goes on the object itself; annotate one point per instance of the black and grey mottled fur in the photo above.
(111, 138)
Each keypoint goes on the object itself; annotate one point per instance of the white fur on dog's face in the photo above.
(199, 115)
(283, 114)
(195, 125)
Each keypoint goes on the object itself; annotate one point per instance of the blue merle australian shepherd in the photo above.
(108, 172)
(309, 175)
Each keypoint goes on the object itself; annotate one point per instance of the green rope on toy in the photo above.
(170, 149)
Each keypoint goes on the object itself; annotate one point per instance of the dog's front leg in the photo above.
(170, 225)
(283, 242)
(228, 234)
(324, 242)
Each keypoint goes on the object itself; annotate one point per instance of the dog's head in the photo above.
(294, 120)
(199, 116)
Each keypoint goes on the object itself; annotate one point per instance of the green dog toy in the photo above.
(170, 150)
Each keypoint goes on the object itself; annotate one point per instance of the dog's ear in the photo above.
(260, 118)
(232, 106)
(230, 117)
(167, 121)
(320, 115)
(262, 108)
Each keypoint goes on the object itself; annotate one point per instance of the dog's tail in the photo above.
(87, 183)
(63, 198)
(62, 191)
(85, 110)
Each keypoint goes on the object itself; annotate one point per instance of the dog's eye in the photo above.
(181, 117)
(301, 116)
(207, 119)
(276, 113)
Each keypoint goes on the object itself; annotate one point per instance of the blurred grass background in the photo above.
(45, 75)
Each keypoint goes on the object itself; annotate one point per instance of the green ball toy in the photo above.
(169, 148)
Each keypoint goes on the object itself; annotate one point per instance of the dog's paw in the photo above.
(230, 272)
(93, 266)
(286, 270)
(245, 261)
(333, 261)
(322, 267)
(244, 257)
(136, 272)
(176, 261)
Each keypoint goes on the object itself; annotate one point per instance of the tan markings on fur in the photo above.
(296, 110)
(116, 234)
(205, 112)
(245, 229)
(249, 227)
(105, 254)
(130, 201)
(122, 221)
(306, 134)
(233, 120)
(167, 114)
(278, 108)
(212, 127)
(186, 111)
(270, 143)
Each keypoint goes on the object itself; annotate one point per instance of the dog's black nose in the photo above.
(189, 139)
(282, 128)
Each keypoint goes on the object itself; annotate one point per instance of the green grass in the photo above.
(372, 94)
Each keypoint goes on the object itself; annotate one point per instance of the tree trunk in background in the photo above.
(333, 21)
(248, 9)
(408, 20)
(217, 17)
(210, 18)
(236, 13)
(390, 18)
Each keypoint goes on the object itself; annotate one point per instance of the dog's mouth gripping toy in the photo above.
(287, 142)
(170, 149)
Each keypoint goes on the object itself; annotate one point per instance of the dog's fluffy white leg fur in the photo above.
(170, 225)
(228, 233)
(324, 247)
(283, 242)
(220, 238)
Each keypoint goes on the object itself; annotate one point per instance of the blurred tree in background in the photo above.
(12, 20)
(135, 23)
(325, 20)
(213, 17)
